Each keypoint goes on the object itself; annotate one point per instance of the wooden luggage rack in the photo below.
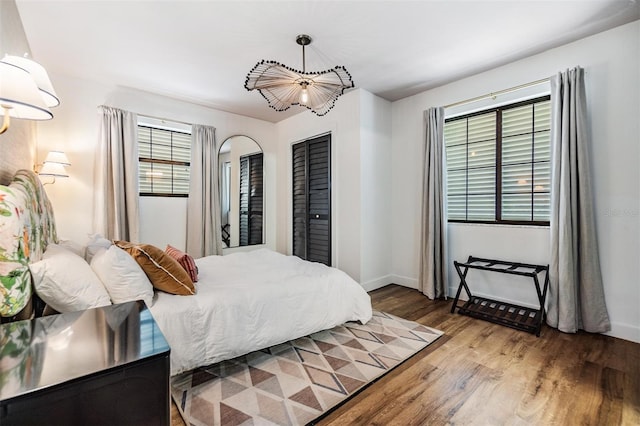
(515, 316)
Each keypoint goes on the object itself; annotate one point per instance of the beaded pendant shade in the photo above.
(283, 86)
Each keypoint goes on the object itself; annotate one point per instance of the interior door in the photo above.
(311, 194)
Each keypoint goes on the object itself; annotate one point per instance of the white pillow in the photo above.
(66, 282)
(122, 276)
(96, 244)
(73, 247)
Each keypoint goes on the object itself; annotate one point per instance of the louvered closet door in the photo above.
(251, 200)
(300, 200)
(312, 200)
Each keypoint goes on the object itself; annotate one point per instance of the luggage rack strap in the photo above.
(503, 266)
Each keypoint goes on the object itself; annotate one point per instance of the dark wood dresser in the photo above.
(104, 366)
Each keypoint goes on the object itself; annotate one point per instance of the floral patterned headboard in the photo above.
(27, 226)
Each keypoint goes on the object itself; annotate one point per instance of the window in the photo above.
(164, 161)
(498, 164)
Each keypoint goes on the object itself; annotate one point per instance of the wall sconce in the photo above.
(54, 166)
(25, 91)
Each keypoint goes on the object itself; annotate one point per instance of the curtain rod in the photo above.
(164, 119)
(151, 116)
(499, 92)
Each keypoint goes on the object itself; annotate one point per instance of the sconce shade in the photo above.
(54, 166)
(39, 75)
(53, 169)
(57, 157)
(19, 95)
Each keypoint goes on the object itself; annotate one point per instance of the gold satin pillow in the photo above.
(164, 272)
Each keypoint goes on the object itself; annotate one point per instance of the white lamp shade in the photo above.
(53, 169)
(19, 94)
(39, 75)
(57, 157)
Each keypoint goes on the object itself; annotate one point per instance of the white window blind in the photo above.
(526, 162)
(164, 161)
(498, 164)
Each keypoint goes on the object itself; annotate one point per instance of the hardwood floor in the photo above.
(485, 374)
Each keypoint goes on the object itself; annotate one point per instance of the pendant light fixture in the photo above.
(282, 86)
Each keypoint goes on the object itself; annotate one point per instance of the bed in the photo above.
(243, 302)
(252, 300)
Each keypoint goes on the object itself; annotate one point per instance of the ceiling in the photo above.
(201, 51)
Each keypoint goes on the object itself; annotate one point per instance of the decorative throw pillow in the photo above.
(122, 276)
(186, 261)
(66, 282)
(164, 272)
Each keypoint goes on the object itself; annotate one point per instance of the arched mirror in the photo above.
(241, 191)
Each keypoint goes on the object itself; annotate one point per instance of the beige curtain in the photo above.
(204, 235)
(116, 207)
(576, 295)
(432, 276)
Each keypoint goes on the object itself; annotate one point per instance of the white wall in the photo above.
(343, 123)
(18, 143)
(74, 130)
(163, 220)
(360, 129)
(375, 190)
(612, 63)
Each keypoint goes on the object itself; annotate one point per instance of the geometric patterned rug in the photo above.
(296, 382)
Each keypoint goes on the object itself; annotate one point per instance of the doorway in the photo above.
(311, 193)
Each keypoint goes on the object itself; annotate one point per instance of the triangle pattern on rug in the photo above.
(307, 398)
(258, 376)
(271, 386)
(349, 383)
(338, 352)
(324, 379)
(290, 368)
(352, 370)
(388, 362)
(302, 415)
(201, 376)
(407, 334)
(312, 358)
(325, 346)
(355, 344)
(230, 388)
(336, 363)
(201, 409)
(273, 410)
(295, 382)
(230, 416)
(364, 334)
(385, 338)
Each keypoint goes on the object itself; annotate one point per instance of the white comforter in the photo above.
(252, 300)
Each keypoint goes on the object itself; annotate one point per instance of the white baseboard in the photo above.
(404, 281)
(624, 331)
(377, 283)
(618, 330)
(390, 279)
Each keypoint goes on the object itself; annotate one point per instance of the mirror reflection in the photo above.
(241, 191)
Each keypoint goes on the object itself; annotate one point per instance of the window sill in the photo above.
(499, 225)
